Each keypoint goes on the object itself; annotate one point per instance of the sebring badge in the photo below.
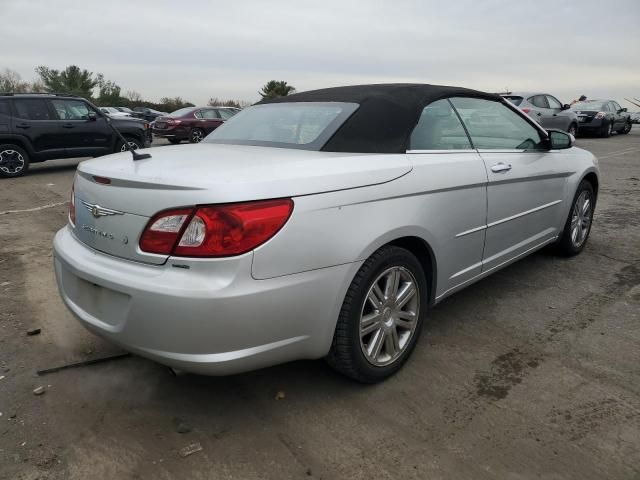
(97, 211)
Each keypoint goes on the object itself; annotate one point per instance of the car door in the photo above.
(620, 118)
(35, 121)
(84, 132)
(559, 119)
(453, 179)
(526, 182)
(212, 119)
(542, 113)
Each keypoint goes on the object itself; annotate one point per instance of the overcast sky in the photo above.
(197, 49)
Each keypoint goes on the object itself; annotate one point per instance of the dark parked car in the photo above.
(148, 114)
(635, 117)
(602, 117)
(545, 109)
(192, 123)
(39, 127)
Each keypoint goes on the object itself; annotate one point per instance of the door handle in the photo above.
(501, 167)
(68, 125)
(23, 125)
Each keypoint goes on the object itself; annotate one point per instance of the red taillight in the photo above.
(72, 205)
(216, 230)
(526, 110)
(102, 180)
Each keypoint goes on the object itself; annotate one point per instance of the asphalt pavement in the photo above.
(532, 373)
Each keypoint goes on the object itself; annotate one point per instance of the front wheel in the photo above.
(381, 316)
(578, 225)
(573, 130)
(626, 129)
(14, 161)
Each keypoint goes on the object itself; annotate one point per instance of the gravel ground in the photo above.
(530, 373)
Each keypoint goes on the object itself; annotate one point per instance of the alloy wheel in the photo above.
(196, 136)
(581, 219)
(133, 145)
(389, 316)
(11, 161)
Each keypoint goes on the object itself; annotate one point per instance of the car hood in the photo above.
(216, 173)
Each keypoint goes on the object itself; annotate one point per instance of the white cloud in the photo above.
(199, 49)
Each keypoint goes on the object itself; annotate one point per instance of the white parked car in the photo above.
(114, 112)
(323, 224)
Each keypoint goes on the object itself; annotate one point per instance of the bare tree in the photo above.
(11, 81)
(133, 96)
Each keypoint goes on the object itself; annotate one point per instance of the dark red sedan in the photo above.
(192, 123)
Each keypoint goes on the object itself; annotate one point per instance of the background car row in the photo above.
(192, 123)
(599, 117)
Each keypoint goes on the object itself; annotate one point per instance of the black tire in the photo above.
(346, 354)
(196, 135)
(626, 129)
(605, 131)
(567, 245)
(573, 130)
(14, 161)
(134, 142)
(174, 141)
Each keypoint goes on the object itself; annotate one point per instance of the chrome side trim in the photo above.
(522, 214)
(473, 230)
(503, 220)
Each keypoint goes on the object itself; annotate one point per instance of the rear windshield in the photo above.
(594, 105)
(513, 99)
(302, 125)
(180, 112)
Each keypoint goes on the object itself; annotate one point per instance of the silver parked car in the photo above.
(545, 109)
(323, 224)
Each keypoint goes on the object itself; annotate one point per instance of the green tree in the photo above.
(276, 88)
(11, 81)
(70, 80)
(109, 93)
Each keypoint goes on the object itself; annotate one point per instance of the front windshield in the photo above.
(592, 105)
(302, 125)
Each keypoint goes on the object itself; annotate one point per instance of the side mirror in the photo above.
(92, 117)
(623, 110)
(566, 106)
(560, 140)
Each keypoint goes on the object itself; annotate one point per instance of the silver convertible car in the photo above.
(322, 224)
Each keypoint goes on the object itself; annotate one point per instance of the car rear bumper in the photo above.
(212, 318)
(591, 126)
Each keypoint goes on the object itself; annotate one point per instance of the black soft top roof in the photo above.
(387, 114)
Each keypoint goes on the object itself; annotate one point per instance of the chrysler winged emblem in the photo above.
(97, 211)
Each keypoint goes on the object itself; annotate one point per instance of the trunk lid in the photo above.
(111, 218)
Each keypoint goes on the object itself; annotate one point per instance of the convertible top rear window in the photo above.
(302, 125)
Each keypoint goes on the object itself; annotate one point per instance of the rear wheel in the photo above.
(381, 316)
(14, 161)
(196, 135)
(578, 225)
(606, 130)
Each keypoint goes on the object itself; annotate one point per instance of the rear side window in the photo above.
(4, 107)
(32, 108)
(439, 128)
(539, 101)
(494, 126)
(210, 114)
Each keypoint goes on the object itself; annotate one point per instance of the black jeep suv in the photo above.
(39, 127)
